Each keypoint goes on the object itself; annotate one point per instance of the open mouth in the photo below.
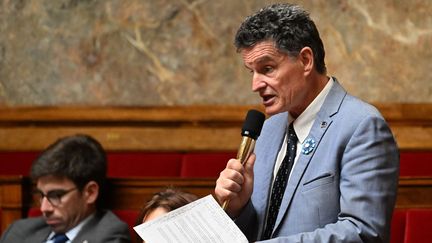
(267, 99)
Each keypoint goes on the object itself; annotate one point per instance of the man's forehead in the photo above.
(261, 52)
(51, 182)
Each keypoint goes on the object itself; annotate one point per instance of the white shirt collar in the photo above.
(303, 123)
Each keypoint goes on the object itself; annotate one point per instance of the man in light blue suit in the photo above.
(343, 182)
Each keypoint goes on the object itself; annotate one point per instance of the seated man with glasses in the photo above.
(69, 178)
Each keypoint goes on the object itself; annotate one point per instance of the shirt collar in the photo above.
(303, 123)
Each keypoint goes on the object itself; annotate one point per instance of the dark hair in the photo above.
(288, 25)
(79, 158)
(169, 199)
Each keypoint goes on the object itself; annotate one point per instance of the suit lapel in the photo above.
(322, 123)
(39, 236)
(268, 151)
(277, 139)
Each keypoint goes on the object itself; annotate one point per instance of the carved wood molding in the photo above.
(201, 128)
(414, 192)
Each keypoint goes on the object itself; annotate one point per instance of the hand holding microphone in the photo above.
(250, 131)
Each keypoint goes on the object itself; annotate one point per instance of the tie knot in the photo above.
(60, 238)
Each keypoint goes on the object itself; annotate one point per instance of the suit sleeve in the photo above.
(8, 235)
(105, 228)
(118, 234)
(247, 222)
(368, 186)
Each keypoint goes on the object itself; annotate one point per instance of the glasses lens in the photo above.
(54, 197)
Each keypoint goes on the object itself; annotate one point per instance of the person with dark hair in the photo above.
(163, 202)
(325, 168)
(69, 178)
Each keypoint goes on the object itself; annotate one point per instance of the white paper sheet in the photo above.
(200, 221)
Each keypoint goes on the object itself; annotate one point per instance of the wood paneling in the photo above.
(414, 192)
(132, 193)
(209, 128)
(14, 196)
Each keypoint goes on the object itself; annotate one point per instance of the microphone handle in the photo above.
(246, 148)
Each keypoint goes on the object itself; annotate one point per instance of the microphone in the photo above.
(250, 132)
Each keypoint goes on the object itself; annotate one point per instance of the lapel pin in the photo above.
(308, 146)
(323, 124)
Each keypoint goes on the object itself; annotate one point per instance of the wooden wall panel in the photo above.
(14, 196)
(213, 128)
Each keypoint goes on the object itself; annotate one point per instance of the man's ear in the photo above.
(91, 192)
(307, 59)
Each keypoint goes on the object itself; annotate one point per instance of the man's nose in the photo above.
(257, 82)
(45, 205)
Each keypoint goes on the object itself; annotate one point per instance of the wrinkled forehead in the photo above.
(261, 52)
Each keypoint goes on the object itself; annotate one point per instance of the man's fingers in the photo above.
(236, 165)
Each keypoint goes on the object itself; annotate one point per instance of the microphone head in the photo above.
(253, 124)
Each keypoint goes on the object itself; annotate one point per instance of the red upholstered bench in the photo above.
(204, 164)
(398, 223)
(193, 164)
(16, 162)
(120, 164)
(418, 226)
(416, 163)
(34, 212)
(141, 164)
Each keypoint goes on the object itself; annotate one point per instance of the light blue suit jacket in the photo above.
(343, 191)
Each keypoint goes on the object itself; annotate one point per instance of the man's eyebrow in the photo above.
(53, 190)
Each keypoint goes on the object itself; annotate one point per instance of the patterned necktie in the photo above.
(60, 238)
(281, 182)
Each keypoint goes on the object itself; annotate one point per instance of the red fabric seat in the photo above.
(398, 223)
(141, 164)
(17, 163)
(418, 226)
(203, 164)
(34, 212)
(415, 163)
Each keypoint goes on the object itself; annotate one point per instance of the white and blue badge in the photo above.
(308, 146)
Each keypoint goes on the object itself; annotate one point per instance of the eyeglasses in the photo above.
(54, 196)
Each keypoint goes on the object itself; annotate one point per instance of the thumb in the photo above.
(250, 164)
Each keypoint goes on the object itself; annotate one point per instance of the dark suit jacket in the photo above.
(344, 190)
(104, 227)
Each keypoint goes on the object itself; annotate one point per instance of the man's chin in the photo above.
(271, 110)
(56, 225)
